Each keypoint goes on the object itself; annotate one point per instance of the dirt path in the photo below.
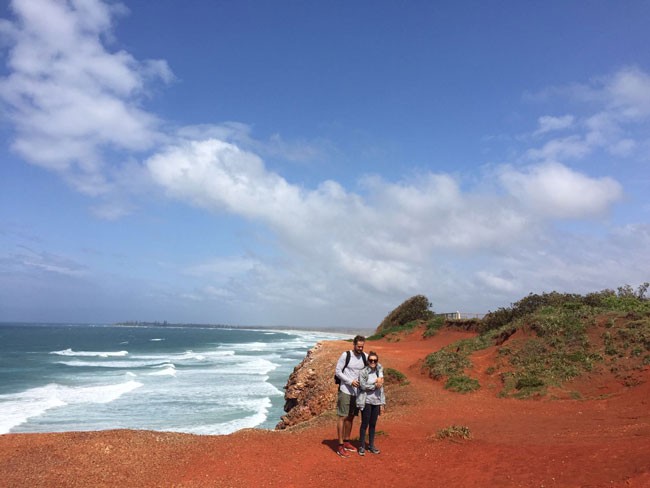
(535, 443)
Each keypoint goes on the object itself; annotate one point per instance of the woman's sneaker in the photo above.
(361, 451)
(374, 450)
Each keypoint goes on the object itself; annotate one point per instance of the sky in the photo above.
(315, 164)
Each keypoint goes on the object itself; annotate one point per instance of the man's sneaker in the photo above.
(361, 451)
(342, 452)
(374, 450)
(349, 447)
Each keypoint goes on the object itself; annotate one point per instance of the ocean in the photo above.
(56, 378)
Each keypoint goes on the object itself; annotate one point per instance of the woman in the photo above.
(371, 401)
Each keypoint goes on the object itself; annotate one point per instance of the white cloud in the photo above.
(380, 242)
(570, 147)
(241, 135)
(555, 191)
(70, 98)
(628, 93)
(614, 103)
(548, 123)
(28, 260)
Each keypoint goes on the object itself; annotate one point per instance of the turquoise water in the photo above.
(198, 380)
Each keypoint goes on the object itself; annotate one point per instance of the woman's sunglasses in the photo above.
(372, 360)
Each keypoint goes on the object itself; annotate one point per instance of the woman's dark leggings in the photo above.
(369, 416)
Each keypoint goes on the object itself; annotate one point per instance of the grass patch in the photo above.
(454, 432)
(395, 377)
(433, 326)
(445, 362)
(408, 327)
(462, 384)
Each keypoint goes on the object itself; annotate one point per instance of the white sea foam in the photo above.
(166, 370)
(258, 407)
(20, 407)
(113, 364)
(191, 355)
(101, 354)
(156, 340)
(248, 366)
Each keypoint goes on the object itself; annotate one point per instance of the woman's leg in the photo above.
(372, 422)
(365, 420)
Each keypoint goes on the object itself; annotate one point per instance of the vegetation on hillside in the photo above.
(407, 315)
(561, 337)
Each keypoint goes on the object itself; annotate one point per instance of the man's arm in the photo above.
(340, 364)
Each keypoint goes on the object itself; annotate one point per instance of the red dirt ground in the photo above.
(600, 442)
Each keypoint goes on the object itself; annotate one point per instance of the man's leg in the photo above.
(340, 428)
(347, 424)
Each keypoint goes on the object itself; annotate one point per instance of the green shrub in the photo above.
(462, 384)
(393, 330)
(433, 325)
(394, 376)
(446, 363)
(414, 309)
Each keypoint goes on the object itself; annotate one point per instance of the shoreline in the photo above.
(39, 396)
(601, 441)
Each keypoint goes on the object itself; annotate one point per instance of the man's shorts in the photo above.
(346, 405)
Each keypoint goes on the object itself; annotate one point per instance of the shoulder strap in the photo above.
(365, 358)
(347, 361)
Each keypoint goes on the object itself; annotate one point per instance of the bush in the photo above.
(394, 376)
(433, 325)
(446, 363)
(414, 309)
(386, 332)
(454, 432)
(462, 384)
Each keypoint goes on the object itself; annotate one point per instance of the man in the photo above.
(346, 405)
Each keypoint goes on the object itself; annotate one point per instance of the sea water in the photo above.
(197, 380)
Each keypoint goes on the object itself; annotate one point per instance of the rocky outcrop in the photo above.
(310, 389)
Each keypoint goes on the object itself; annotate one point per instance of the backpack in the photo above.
(337, 380)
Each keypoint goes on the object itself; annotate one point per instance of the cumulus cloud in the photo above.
(555, 191)
(384, 239)
(628, 93)
(70, 98)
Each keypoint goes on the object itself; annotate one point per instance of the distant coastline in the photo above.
(337, 330)
(282, 328)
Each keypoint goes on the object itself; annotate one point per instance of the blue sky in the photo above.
(316, 163)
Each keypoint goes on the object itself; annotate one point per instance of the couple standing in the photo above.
(361, 388)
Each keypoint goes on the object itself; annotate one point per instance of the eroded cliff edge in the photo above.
(310, 389)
